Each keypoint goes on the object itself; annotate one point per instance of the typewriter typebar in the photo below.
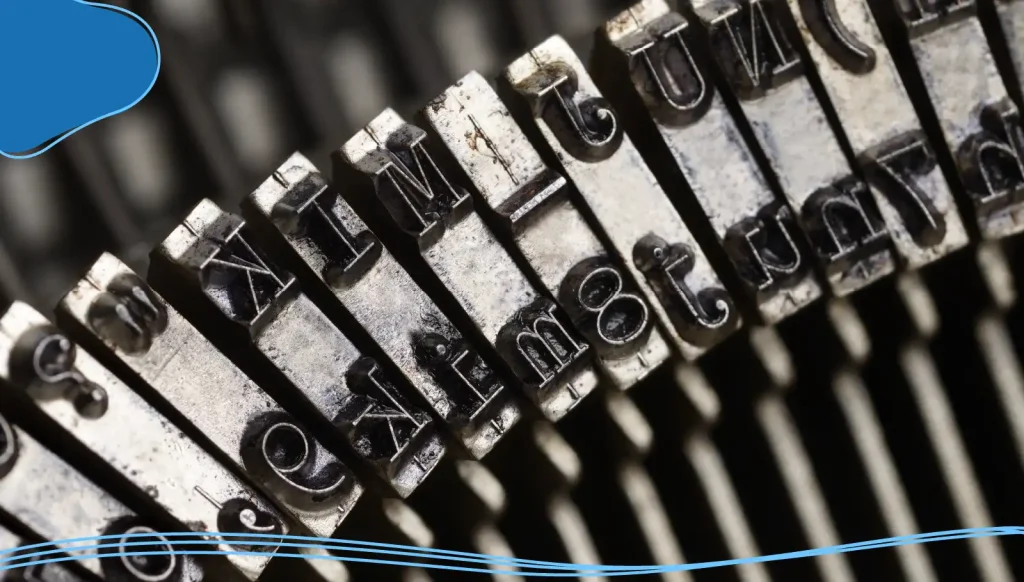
(76, 508)
(644, 282)
(532, 206)
(980, 122)
(390, 162)
(552, 88)
(879, 121)
(145, 340)
(834, 206)
(39, 362)
(648, 59)
(1011, 19)
(53, 572)
(214, 254)
(340, 252)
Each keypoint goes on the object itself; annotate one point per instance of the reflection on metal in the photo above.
(980, 124)
(731, 157)
(538, 219)
(78, 508)
(38, 361)
(562, 105)
(218, 259)
(832, 204)
(163, 355)
(655, 47)
(390, 159)
(878, 118)
(433, 355)
(957, 470)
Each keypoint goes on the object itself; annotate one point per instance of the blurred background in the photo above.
(849, 422)
(243, 84)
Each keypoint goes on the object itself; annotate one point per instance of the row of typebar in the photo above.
(533, 252)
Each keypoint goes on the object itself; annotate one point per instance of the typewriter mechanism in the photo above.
(557, 281)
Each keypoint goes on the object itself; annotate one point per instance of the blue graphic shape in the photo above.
(67, 64)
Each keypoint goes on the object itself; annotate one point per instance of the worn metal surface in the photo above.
(1011, 17)
(979, 121)
(220, 260)
(144, 337)
(653, 48)
(532, 206)
(390, 159)
(890, 411)
(89, 402)
(84, 509)
(10, 541)
(64, 505)
(878, 119)
(432, 353)
(833, 205)
(558, 97)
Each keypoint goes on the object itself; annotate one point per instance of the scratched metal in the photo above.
(1011, 17)
(427, 348)
(140, 332)
(878, 118)
(55, 502)
(533, 206)
(350, 390)
(36, 479)
(645, 229)
(96, 408)
(979, 121)
(530, 333)
(35, 573)
(652, 48)
(835, 207)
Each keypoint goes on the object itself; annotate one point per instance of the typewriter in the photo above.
(619, 285)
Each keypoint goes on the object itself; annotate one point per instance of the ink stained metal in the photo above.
(39, 360)
(433, 355)
(146, 337)
(552, 87)
(654, 48)
(10, 541)
(1011, 20)
(77, 508)
(537, 218)
(833, 205)
(532, 335)
(980, 123)
(877, 117)
(350, 390)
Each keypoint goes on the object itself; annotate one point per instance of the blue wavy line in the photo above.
(492, 560)
(156, 44)
(570, 570)
(426, 553)
(340, 544)
(320, 541)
